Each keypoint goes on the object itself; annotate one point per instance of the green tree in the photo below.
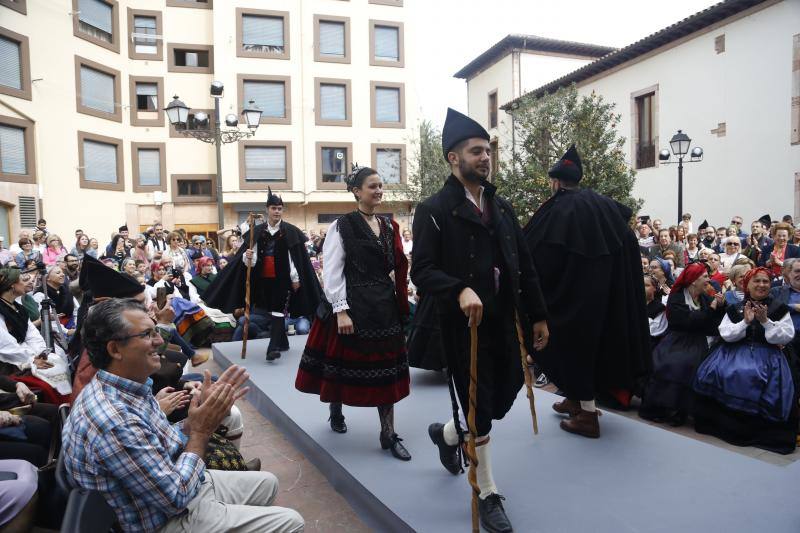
(427, 168)
(544, 128)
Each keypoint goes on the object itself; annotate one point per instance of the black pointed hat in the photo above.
(459, 127)
(105, 281)
(568, 168)
(766, 220)
(703, 225)
(273, 199)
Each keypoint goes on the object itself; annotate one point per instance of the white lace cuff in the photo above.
(340, 305)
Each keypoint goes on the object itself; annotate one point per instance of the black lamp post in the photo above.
(178, 115)
(679, 144)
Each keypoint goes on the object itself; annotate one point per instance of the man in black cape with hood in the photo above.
(470, 258)
(281, 275)
(590, 269)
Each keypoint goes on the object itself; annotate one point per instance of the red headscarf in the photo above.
(689, 275)
(203, 261)
(750, 275)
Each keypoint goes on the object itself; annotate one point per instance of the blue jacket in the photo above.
(792, 250)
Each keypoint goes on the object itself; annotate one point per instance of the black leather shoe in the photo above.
(337, 419)
(273, 354)
(493, 516)
(448, 455)
(393, 444)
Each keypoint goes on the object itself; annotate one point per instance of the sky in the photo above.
(449, 34)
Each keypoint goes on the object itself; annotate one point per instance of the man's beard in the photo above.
(469, 173)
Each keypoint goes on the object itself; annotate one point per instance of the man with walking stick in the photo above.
(280, 276)
(470, 256)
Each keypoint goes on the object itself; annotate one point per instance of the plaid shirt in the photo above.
(117, 441)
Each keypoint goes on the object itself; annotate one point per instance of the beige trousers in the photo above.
(236, 502)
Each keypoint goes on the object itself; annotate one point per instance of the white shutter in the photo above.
(99, 162)
(12, 150)
(387, 43)
(262, 31)
(144, 29)
(10, 69)
(265, 163)
(149, 166)
(331, 38)
(97, 90)
(332, 102)
(388, 163)
(387, 104)
(269, 96)
(96, 13)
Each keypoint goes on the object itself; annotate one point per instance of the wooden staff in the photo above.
(523, 353)
(472, 476)
(251, 220)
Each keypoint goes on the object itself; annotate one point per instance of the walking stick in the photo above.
(472, 476)
(528, 378)
(251, 220)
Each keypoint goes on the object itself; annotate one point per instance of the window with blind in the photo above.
(645, 142)
(332, 99)
(492, 109)
(388, 163)
(333, 164)
(10, 63)
(263, 34)
(265, 164)
(97, 90)
(12, 150)
(149, 167)
(147, 97)
(96, 19)
(331, 39)
(100, 162)
(144, 35)
(269, 96)
(386, 43)
(387, 104)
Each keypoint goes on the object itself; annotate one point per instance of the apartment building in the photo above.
(85, 141)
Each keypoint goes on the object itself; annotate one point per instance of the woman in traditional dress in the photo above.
(656, 310)
(693, 316)
(746, 391)
(356, 354)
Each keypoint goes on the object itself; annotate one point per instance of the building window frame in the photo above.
(20, 6)
(259, 185)
(83, 183)
(332, 186)
(492, 109)
(241, 52)
(135, 120)
(162, 160)
(373, 87)
(178, 199)
(174, 134)
(348, 102)
(191, 4)
(76, 29)
(287, 96)
(172, 67)
(395, 3)
(30, 150)
(24, 91)
(347, 50)
(374, 147)
(83, 62)
(400, 63)
(132, 53)
(635, 144)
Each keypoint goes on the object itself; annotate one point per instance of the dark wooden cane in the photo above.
(251, 220)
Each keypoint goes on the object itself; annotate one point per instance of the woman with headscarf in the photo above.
(693, 316)
(656, 310)
(746, 388)
(205, 274)
(661, 270)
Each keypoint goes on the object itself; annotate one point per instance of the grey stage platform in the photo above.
(636, 478)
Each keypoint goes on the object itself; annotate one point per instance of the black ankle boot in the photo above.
(277, 338)
(337, 418)
(448, 455)
(392, 444)
(493, 516)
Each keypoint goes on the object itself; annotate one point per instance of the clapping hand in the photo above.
(7, 419)
(41, 362)
(760, 312)
(749, 313)
(234, 375)
(25, 395)
(169, 399)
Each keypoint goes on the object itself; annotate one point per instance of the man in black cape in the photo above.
(281, 275)
(470, 257)
(590, 269)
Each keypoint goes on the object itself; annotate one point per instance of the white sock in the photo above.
(450, 433)
(588, 406)
(484, 471)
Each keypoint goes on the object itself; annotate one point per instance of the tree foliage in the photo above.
(544, 128)
(427, 168)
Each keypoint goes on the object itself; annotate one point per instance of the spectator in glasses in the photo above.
(664, 244)
(15, 248)
(27, 253)
(733, 251)
(773, 255)
(737, 223)
(55, 250)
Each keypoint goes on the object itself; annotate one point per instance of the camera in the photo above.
(176, 272)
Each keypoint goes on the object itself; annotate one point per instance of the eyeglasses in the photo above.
(151, 333)
(738, 223)
(732, 244)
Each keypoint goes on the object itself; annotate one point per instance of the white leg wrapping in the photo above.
(450, 433)
(588, 406)
(484, 470)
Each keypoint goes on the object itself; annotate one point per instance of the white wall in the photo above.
(748, 172)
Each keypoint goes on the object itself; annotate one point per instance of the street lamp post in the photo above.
(679, 144)
(178, 115)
